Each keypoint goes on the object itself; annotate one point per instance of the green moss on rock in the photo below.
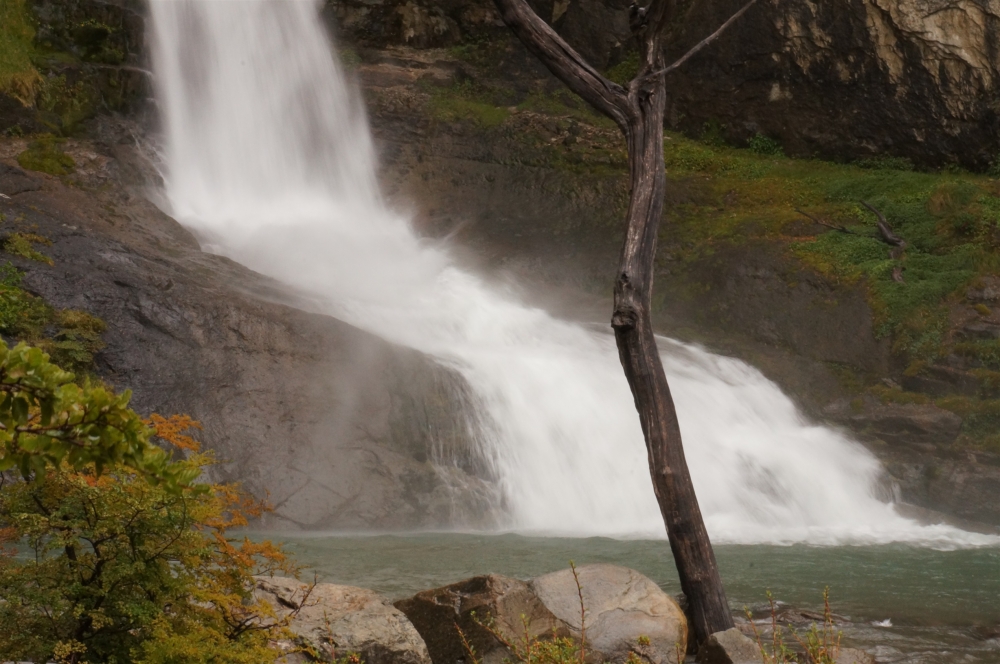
(45, 155)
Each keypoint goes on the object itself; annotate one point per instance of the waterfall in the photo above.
(270, 162)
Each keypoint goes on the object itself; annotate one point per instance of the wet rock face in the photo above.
(923, 426)
(330, 422)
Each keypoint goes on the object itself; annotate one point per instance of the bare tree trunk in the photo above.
(689, 540)
(638, 112)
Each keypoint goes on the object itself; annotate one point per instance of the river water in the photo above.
(268, 160)
(941, 606)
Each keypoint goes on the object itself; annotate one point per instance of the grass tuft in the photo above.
(45, 155)
(18, 76)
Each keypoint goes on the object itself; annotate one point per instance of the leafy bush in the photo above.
(112, 553)
(762, 144)
(76, 342)
(48, 421)
(121, 570)
(21, 314)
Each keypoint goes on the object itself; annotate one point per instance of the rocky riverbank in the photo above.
(619, 614)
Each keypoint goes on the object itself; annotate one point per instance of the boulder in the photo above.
(985, 290)
(853, 656)
(622, 606)
(625, 612)
(729, 647)
(468, 605)
(337, 620)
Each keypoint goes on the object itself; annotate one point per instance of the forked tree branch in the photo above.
(704, 42)
(562, 60)
(819, 221)
(885, 230)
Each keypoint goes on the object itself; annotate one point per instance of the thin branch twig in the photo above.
(704, 42)
(835, 227)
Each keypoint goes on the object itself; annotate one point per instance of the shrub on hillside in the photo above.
(110, 551)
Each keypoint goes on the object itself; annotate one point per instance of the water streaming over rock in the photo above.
(270, 161)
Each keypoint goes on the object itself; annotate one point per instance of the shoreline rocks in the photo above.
(336, 620)
(626, 613)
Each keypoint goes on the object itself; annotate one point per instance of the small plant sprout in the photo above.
(821, 645)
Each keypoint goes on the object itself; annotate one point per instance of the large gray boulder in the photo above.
(336, 620)
(625, 612)
(468, 605)
(729, 647)
(622, 606)
(853, 656)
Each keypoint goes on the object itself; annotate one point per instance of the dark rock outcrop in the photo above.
(919, 425)
(14, 180)
(849, 79)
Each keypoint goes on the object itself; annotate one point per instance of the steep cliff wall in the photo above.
(337, 427)
(848, 79)
(851, 78)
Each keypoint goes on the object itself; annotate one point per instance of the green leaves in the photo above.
(47, 420)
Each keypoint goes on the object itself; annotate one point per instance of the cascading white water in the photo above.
(269, 160)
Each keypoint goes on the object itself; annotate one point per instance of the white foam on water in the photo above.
(270, 161)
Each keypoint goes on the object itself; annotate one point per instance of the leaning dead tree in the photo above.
(638, 110)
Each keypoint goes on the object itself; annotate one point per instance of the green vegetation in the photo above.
(76, 341)
(563, 104)
(22, 315)
(49, 421)
(886, 163)
(466, 101)
(821, 644)
(761, 144)
(18, 76)
(623, 72)
(94, 39)
(71, 337)
(948, 220)
(22, 244)
(65, 106)
(103, 565)
(45, 155)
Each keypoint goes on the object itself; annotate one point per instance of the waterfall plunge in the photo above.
(269, 160)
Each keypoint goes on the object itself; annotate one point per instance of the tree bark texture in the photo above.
(638, 111)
